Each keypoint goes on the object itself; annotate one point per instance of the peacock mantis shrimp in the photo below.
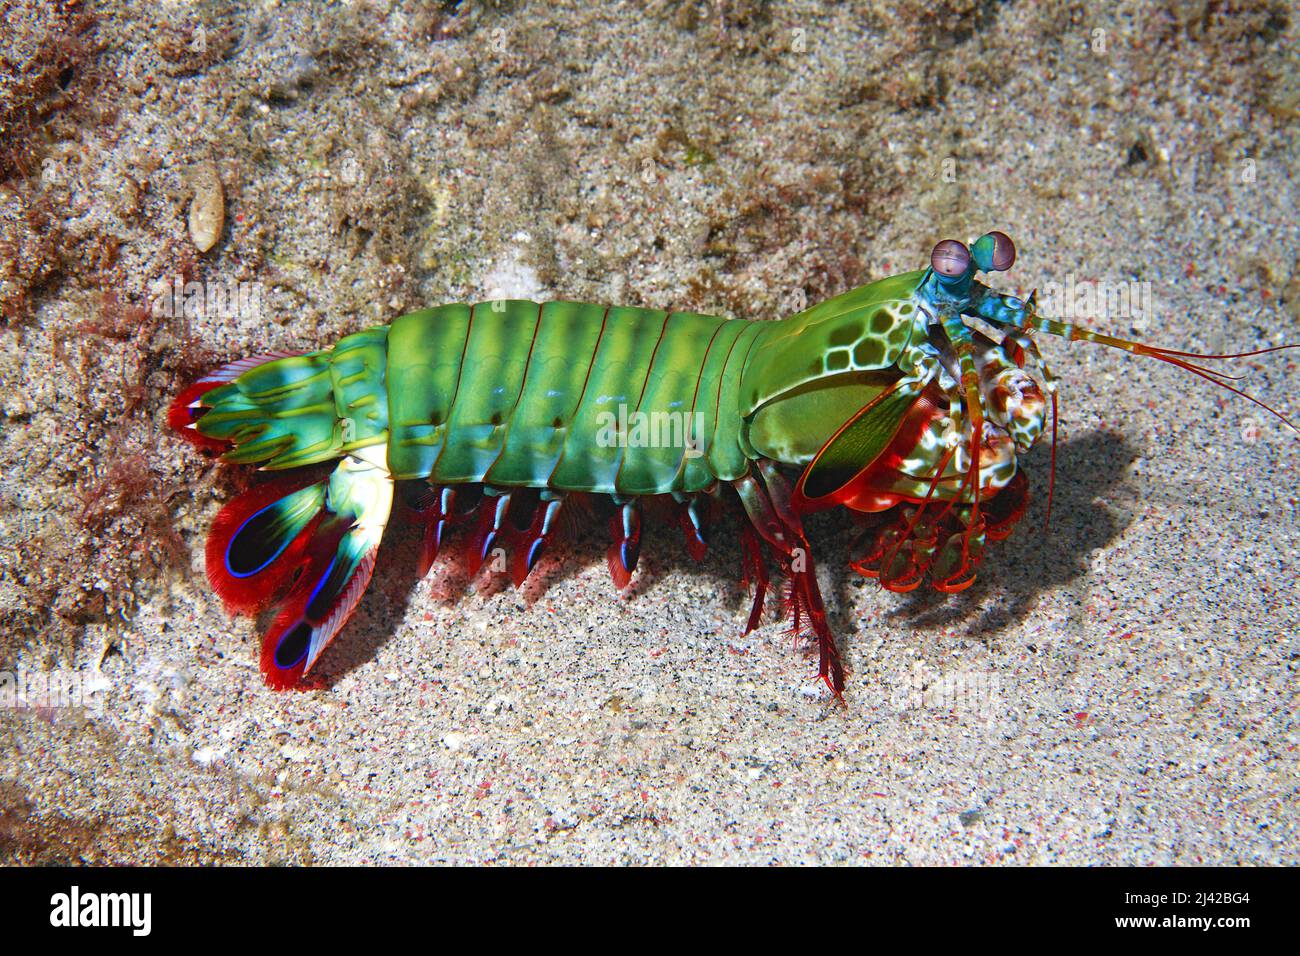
(908, 401)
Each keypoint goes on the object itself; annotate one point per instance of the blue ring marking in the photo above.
(319, 584)
(269, 561)
(306, 647)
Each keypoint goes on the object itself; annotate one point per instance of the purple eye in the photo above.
(993, 252)
(950, 258)
(1004, 251)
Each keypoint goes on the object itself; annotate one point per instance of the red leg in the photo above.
(829, 666)
(767, 505)
(623, 554)
(755, 565)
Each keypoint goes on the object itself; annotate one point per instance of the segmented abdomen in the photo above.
(514, 393)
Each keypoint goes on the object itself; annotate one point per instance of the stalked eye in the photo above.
(950, 259)
(994, 252)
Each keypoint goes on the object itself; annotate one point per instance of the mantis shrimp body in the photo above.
(908, 401)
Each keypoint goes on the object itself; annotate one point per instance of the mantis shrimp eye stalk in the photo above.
(963, 308)
(994, 252)
(950, 259)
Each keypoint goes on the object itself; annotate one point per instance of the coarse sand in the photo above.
(1117, 689)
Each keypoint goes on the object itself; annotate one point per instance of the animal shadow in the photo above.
(1090, 471)
(1090, 476)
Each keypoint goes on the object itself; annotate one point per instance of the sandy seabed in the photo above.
(1120, 689)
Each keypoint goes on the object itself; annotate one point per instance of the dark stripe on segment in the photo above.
(592, 449)
(726, 458)
(528, 364)
(586, 381)
(425, 357)
(640, 399)
(496, 358)
(697, 475)
(469, 332)
(552, 391)
(443, 424)
(523, 386)
(665, 423)
(705, 439)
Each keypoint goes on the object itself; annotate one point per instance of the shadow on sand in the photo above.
(1015, 572)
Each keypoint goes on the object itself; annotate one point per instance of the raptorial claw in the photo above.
(903, 551)
(959, 558)
(1007, 508)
